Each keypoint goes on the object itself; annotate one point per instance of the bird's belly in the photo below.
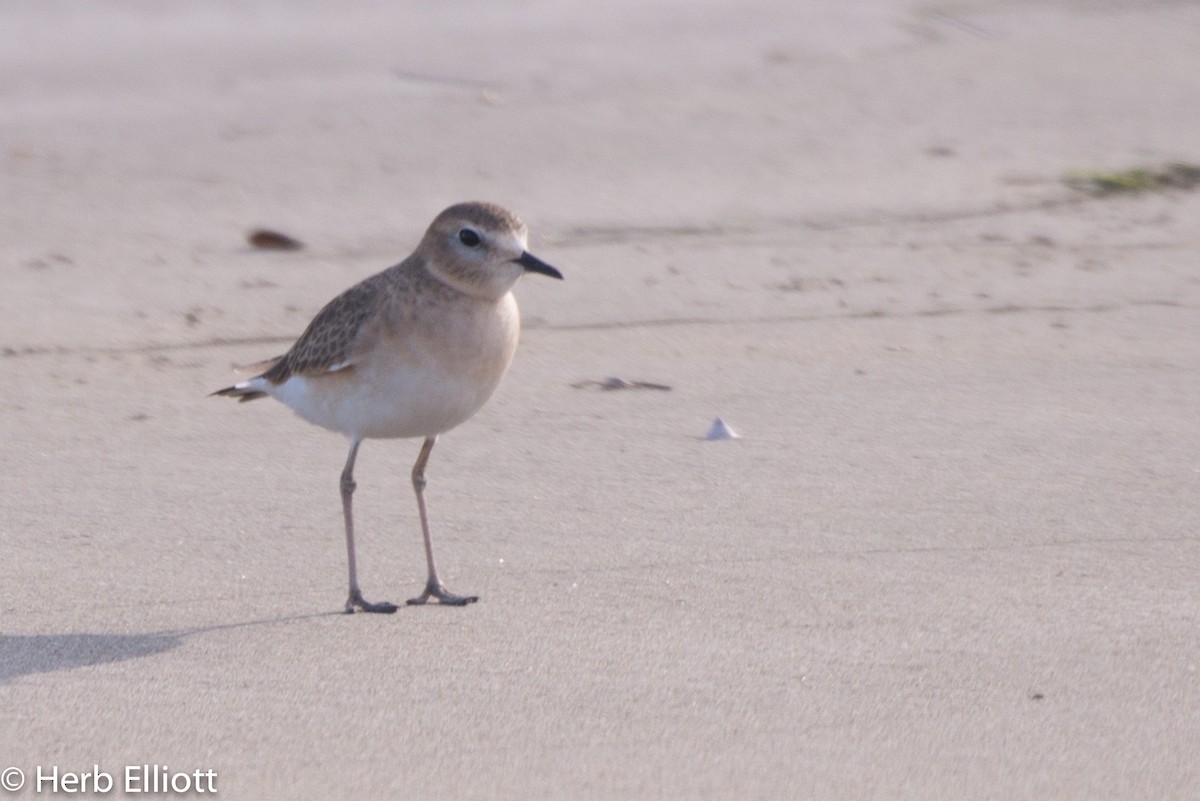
(418, 390)
(370, 403)
(421, 402)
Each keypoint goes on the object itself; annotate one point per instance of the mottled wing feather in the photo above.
(330, 340)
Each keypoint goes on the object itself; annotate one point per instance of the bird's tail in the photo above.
(253, 388)
(243, 392)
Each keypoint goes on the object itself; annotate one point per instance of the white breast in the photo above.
(412, 384)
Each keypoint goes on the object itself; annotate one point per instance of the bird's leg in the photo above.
(433, 585)
(355, 601)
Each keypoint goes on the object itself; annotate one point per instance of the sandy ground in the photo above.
(953, 556)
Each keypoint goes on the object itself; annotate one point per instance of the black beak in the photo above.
(533, 264)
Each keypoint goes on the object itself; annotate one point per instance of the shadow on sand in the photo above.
(28, 654)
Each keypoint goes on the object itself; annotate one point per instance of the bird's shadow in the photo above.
(30, 654)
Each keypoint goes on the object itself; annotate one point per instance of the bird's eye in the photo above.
(469, 238)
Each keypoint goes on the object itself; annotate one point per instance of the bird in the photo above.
(410, 352)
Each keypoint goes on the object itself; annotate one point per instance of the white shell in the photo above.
(720, 430)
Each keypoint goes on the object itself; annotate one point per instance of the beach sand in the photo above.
(953, 555)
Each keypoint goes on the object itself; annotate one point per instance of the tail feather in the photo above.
(240, 391)
(250, 389)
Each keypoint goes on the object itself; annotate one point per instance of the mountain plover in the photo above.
(410, 352)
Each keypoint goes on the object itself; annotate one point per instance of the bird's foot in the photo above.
(357, 602)
(435, 589)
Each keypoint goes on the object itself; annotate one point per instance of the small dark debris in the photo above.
(613, 382)
(1036, 696)
(793, 284)
(266, 239)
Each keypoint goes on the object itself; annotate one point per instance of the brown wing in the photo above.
(331, 338)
